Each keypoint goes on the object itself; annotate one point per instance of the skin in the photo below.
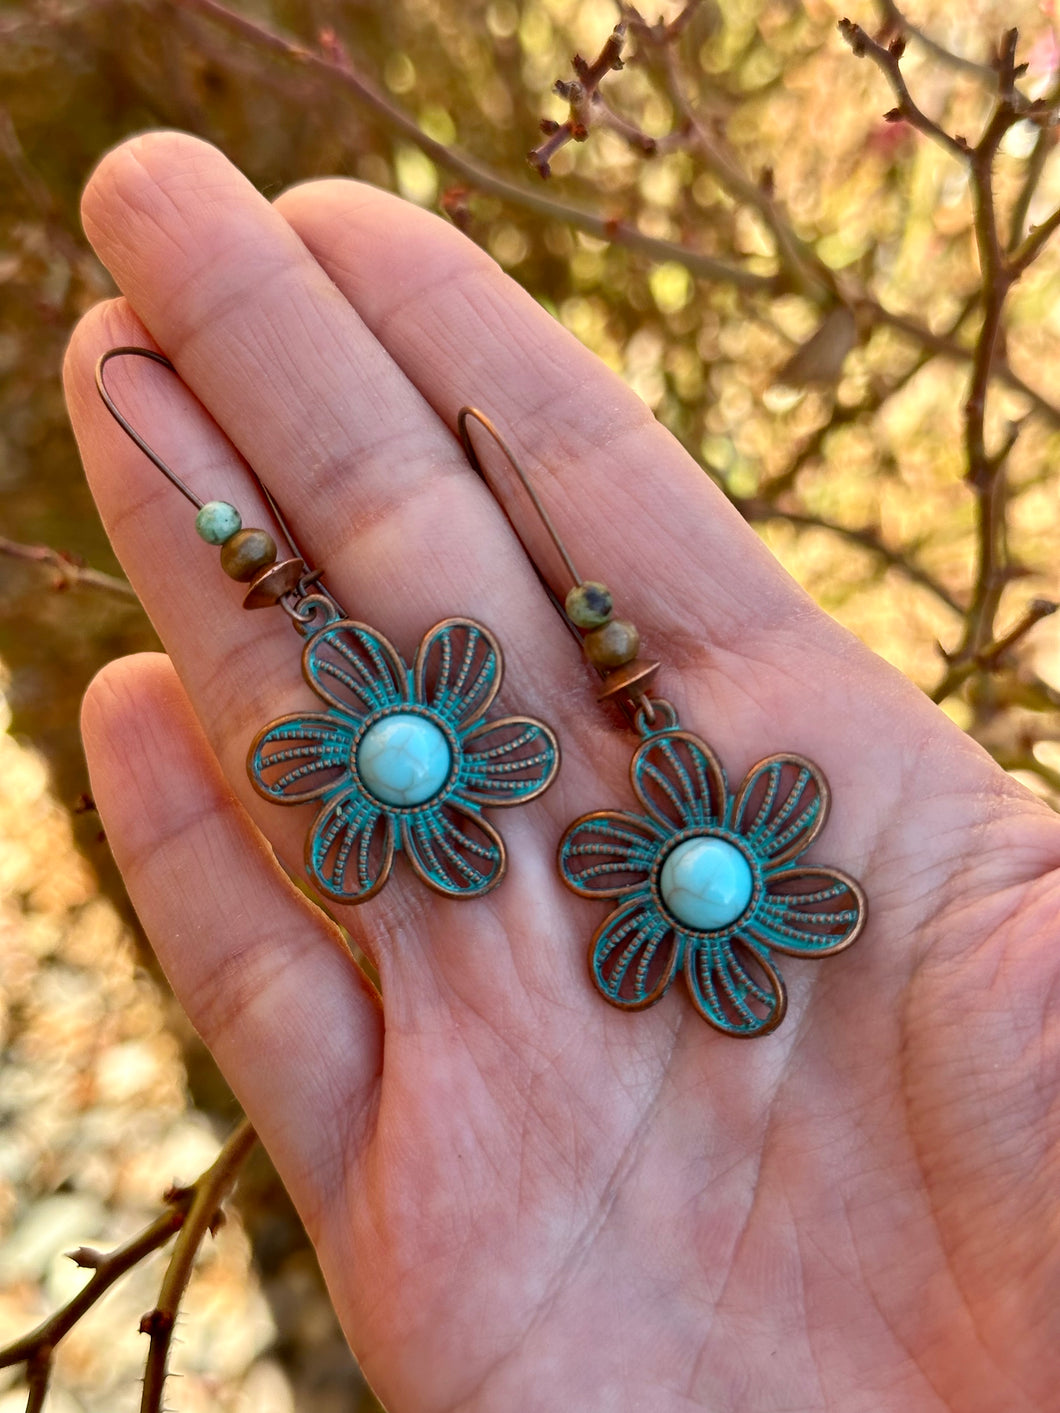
(521, 1197)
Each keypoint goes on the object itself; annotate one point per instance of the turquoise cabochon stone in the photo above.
(706, 883)
(404, 759)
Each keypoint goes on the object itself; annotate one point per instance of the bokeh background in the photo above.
(822, 387)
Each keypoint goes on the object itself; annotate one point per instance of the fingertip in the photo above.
(131, 175)
(324, 191)
(106, 325)
(374, 222)
(124, 695)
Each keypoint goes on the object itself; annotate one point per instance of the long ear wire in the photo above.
(611, 645)
(463, 416)
(128, 351)
(132, 351)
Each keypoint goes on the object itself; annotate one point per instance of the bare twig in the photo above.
(71, 573)
(208, 1192)
(985, 472)
(887, 61)
(948, 348)
(35, 1349)
(806, 271)
(1027, 252)
(1044, 144)
(989, 657)
(583, 97)
(894, 20)
(1000, 267)
(703, 266)
(191, 1211)
(864, 536)
(482, 178)
(842, 416)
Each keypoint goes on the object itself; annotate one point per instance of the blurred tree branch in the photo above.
(69, 571)
(893, 21)
(481, 178)
(335, 67)
(1000, 267)
(758, 509)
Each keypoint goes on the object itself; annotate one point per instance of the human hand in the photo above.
(520, 1197)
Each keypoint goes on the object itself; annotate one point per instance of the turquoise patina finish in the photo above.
(706, 883)
(403, 760)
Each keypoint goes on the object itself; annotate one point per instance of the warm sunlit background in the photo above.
(846, 451)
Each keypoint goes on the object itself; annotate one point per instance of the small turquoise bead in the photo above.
(218, 521)
(404, 759)
(706, 883)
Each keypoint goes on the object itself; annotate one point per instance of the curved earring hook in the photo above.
(462, 419)
(133, 351)
(626, 676)
(126, 351)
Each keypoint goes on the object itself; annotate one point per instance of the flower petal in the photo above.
(634, 955)
(355, 668)
(734, 987)
(609, 853)
(300, 758)
(508, 762)
(781, 807)
(458, 670)
(679, 780)
(809, 912)
(454, 850)
(350, 848)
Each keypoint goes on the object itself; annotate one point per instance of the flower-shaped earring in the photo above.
(404, 759)
(707, 882)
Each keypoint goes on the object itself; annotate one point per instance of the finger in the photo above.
(373, 483)
(263, 976)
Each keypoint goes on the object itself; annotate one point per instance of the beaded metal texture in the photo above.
(803, 910)
(364, 681)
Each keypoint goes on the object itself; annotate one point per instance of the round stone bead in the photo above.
(218, 521)
(706, 883)
(589, 605)
(247, 551)
(404, 759)
(612, 645)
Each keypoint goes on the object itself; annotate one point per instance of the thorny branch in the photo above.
(190, 1211)
(988, 658)
(204, 1215)
(1001, 264)
(893, 21)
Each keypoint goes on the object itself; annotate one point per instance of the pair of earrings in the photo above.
(705, 880)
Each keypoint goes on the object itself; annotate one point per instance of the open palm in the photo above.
(522, 1198)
